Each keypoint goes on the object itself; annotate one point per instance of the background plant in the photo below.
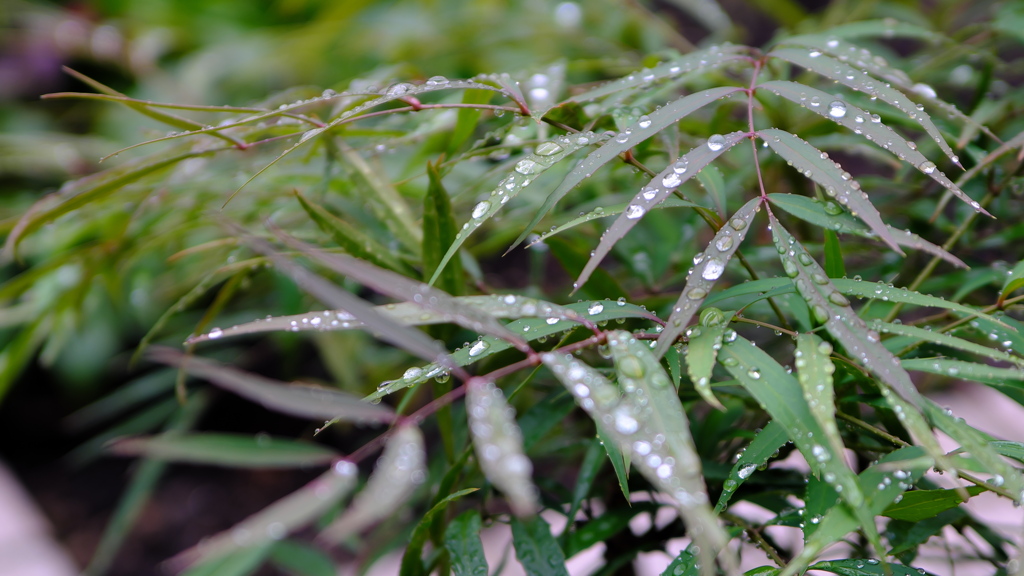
(387, 172)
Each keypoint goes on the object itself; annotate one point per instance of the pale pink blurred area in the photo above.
(26, 545)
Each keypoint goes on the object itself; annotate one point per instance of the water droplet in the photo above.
(671, 181)
(215, 333)
(745, 471)
(548, 149)
(724, 243)
(527, 166)
(927, 167)
(837, 109)
(398, 89)
(437, 81)
(679, 167)
(644, 122)
(634, 211)
(595, 308)
(876, 118)
(833, 209)
(713, 269)
(478, 348)
(716, 142)
(738, 223)
(480, 209)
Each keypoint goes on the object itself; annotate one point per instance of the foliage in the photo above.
(390, 202)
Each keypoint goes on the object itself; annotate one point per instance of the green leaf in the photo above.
(834, 266)
(1014, 281)
(301, 559)
(412, 559)
(763, 447)
(685, 564)
(536, 548)
(866, 567)
(592, 463)
(237, 563)
(936, 337)
(440, 230)
(620, 463)
(604, 212)
(467, 119)
(708, 268)
(229, 450)
(313, 402)
(967, 370)
(657, 191)
(604, 527)
(462, 540)
(814, 372)
(918, 505)
(350, 238)
(704, 341)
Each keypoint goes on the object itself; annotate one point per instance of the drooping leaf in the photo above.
(656, 191)
(870, 125)
(763, 447)
(281, 518)
(462, 540)
(604, 212)
(304, 401)
(814, 373)
(936, 337)
(231, 450)
(536, 549)
(881, 291)
(644, 129)
(526, 170)
(399, 471)
(831, 216)
(708, 268)
(499, 445)
(838, 184)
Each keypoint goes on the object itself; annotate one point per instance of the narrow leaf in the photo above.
(1014, 281)
(831, 216)
(834, 265)
(708, 268)
(532, 328)
(281, 518)
(867, 567)
(301, 559)
(645, 128)
(936, 337)
(400, 470)
(604, 212)
(536, 548)
(439, 230)
(885, 28)
(885, 292)
(593, 460)
(656, 191)
(859, 80)
(499, 445)
(814, 373)
(967, 370)
(230, 450)
(700, 60)
(300, 400)
(817, 166)
(412, 559)
(526, 170)
(620, 462)
(870, 125)
(462, 540)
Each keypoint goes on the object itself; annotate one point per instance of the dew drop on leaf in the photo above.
(716, 142)
(548, 149)
(927, 167)
(713, 269)
(480, 209)
(672, 180)
(634, 211)
(527, 166)
(478, 348)
(595, 308)
(837, 109)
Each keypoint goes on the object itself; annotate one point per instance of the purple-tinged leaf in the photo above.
(400, 470)
(656, 191)
(943, 339)
(814, 371)
(702, 60)
(304, 401)
(862, 81)
(413, 341)
(526, 170)
(229, 450)
(708, 267)
(870, 125)
(645, 128)
(405, 313)
(885, 28)
(278, 520)
(549, 321)
(838, 184)
(831, 216)
(498, 442)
